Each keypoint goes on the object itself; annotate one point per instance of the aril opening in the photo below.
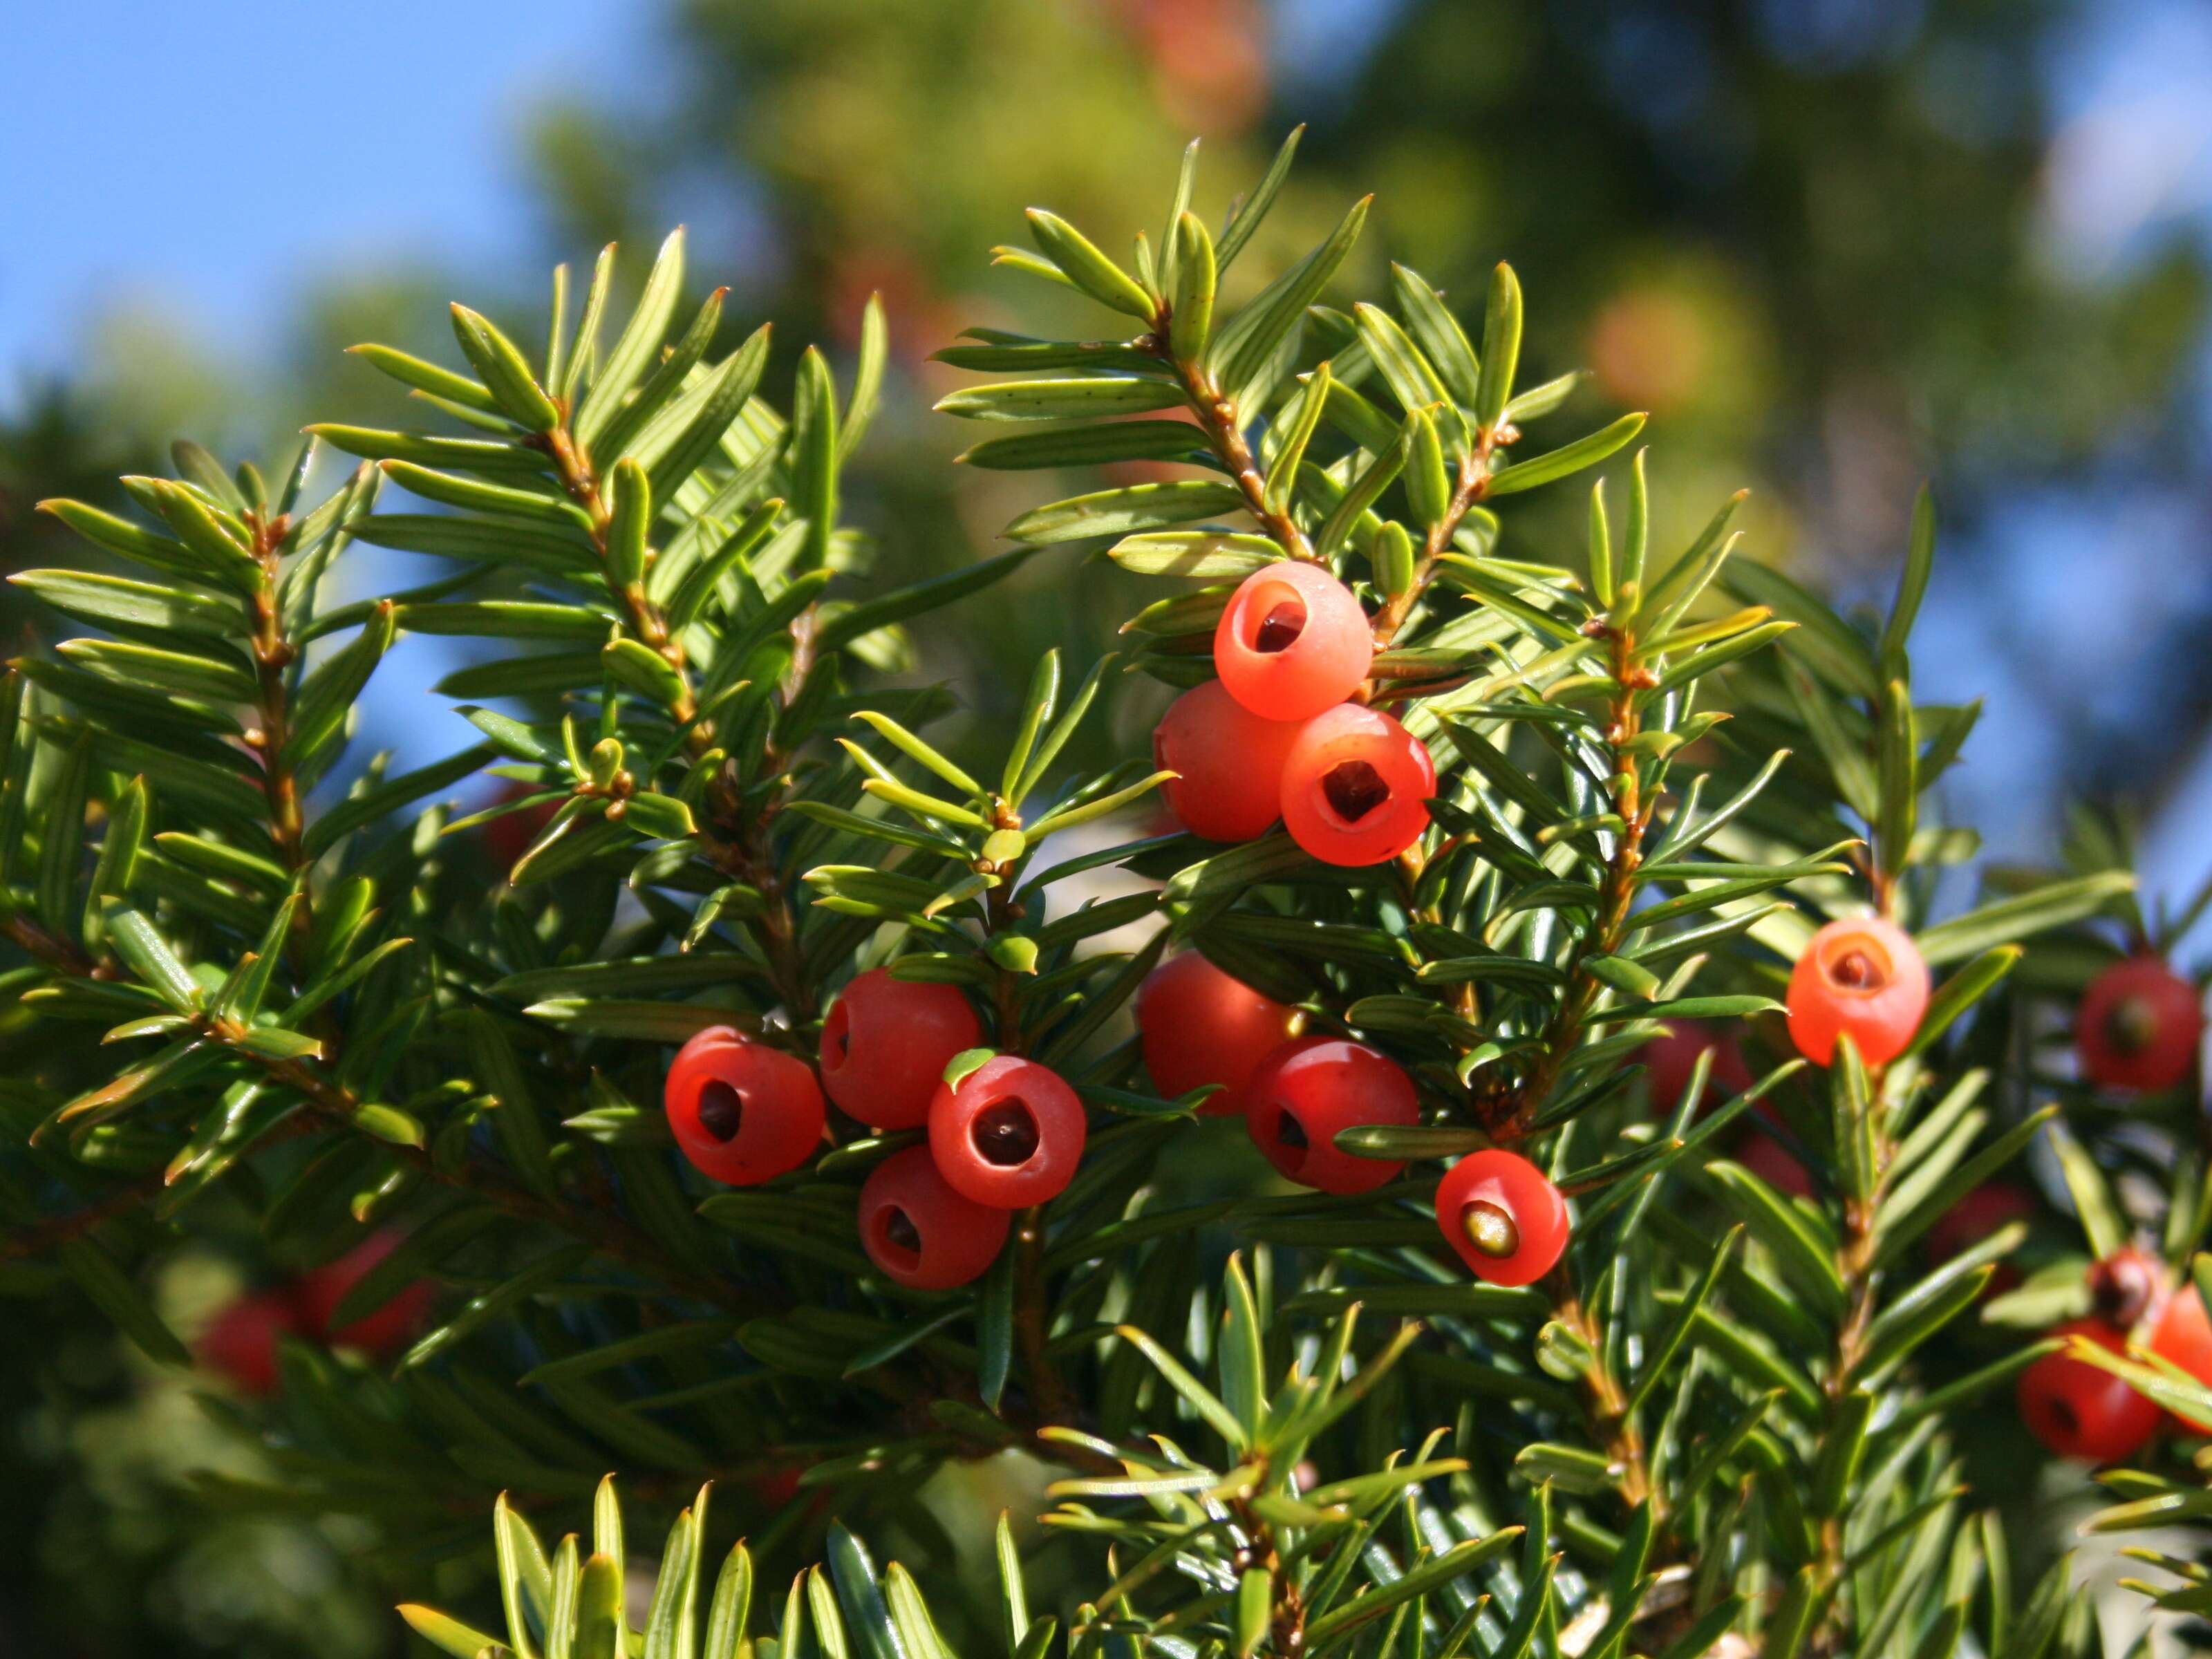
(1280, 624)
(1353, 789)
(721, 1110)
(1005, 1134)
(902, 1235)
(1860, 965)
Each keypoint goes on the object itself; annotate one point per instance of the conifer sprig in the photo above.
(328, 1001)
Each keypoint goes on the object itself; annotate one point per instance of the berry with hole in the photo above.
(919, 1232)
(1293, 642)
(1230, 761)
(2139, 1026)
(1862, 978)
(1356, 786)
(1506, 1219)
(383, 1329)
(1200, 1024)
(2081, 1411)
(1309, 1090)
(886, 1043)
(741, 1111)
(1009, 1134)
(1670, 1059)
(240, 1342)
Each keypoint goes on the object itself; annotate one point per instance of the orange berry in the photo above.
(1864, 978)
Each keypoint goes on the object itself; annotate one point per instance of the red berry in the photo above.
(241, 1341)
(1311, 1088)
(919, 1231)
(1356, 786)
(381, 1331)
(1232, 762)
(2079, 1411)
(1202, 1026)
(1973, 1218)
(885, 1045)
(1506, 1220)
(508, 836)
(1773, 1162)
(779, 1486)
(742, 1112)
(1670, 1059)
(1293, 642)
(1009, 1135)
(2183, 1336)
(2139, 1026)
(1864, 977)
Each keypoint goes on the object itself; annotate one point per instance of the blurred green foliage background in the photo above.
(1833, 245)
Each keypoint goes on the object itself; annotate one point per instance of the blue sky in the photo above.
(203, 166)
(204, 161)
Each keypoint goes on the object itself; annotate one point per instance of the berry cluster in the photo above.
(1202, 1026)
(1006, 1133)
(1003, 1136)
(1275, 736)
(2138, 1030)
(240, 1342)
(2081, 1411)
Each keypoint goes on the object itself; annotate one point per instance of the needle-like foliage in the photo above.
(273, 996)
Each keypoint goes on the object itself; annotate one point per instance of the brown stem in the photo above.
(646, 619)
(137, 1194)
(62, 954)
(1217, 418)
(1471, 486)
(337, 1106)
(1286, 1625)
(274, 653)
(1855, 1265)
(40, 1236)
(1884, 886)
(1509, 1116)
(739, 844)
(1032, 1316)
(1606, 1403)
(743, 848)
